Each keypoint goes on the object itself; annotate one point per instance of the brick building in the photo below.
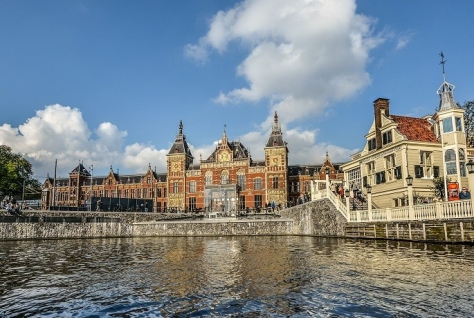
(228, 180)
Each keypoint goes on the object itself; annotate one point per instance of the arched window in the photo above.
(450, 160)
(224, 177)
(462, 162)
(208, 178)
(241, 179)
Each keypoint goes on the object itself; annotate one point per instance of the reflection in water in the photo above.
(234, 277)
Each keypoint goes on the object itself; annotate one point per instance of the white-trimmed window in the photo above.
(257, 183)
(450, 160)
(208, 178)
(192, 187)
(390, 167)
(370, 166)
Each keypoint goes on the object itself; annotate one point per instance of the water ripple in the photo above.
(234, 277)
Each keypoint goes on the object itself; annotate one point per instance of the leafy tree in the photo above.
(468, 106)
(439, 187)
(16, 175)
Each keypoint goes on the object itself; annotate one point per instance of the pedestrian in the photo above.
(146, 207)
(465, 194)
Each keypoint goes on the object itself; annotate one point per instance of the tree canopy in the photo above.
(468, 106)
(16, 175)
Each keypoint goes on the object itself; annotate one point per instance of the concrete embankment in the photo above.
(313, 219)
(318, 218)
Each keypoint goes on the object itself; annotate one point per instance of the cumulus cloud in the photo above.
(302, 55)
(60, 132)
(299, 51)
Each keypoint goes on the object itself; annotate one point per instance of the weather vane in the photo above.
(443, 61)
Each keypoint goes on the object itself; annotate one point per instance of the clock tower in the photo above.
(179, 159)
(276, 162)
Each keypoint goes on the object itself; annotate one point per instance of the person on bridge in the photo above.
(465, 194)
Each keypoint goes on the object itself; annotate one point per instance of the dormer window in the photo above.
(372, 144)
(387, 137)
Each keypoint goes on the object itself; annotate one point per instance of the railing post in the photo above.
(388, 213)
(438, 208)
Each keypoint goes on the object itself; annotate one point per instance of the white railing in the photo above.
(440, 210)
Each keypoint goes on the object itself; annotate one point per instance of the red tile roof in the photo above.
(415, 129)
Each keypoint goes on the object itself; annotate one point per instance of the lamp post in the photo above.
(90, 192)
(470, 169)
(409, 181)
(369, 201)
(312, 186)
(326, 170)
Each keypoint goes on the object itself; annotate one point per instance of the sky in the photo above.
(106, 83)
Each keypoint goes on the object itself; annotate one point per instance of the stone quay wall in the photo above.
(439, 231)
(318, 218)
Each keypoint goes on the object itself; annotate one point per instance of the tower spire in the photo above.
(445, 91)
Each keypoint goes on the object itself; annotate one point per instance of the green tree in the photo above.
(16, 175)
(468, 107)
(439, 187)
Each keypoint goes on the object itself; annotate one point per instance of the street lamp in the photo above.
(409, 181)
(90, 192)
(369, 201)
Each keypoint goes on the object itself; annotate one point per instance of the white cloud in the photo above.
(302, 56)
(60, 132)
(298, 50)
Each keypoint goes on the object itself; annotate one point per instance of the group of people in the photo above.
(13, 208)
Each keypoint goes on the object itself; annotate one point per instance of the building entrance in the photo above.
(221, 199)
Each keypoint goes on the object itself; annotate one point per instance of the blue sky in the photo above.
(107, 82)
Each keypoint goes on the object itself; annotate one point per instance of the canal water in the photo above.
(235, 277)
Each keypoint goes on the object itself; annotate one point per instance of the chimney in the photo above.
(381, 106)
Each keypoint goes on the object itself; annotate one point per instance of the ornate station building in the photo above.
(227, 181)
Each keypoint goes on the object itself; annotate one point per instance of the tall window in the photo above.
(387, 137)
(175, 187)
(462, 163)
(372, 144)
(242, 202)
(370, 166)
(258, 200)
(192, 203)
(139, 193)
(275, 182)
(126, 193)
(390, 167)
(132, 193)
(225, 177)
(145, 193)
(450, 160)
(192, 187)
(458, 121)
(208, 178)
(257, 183)
(241, 181)
(425, 169)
